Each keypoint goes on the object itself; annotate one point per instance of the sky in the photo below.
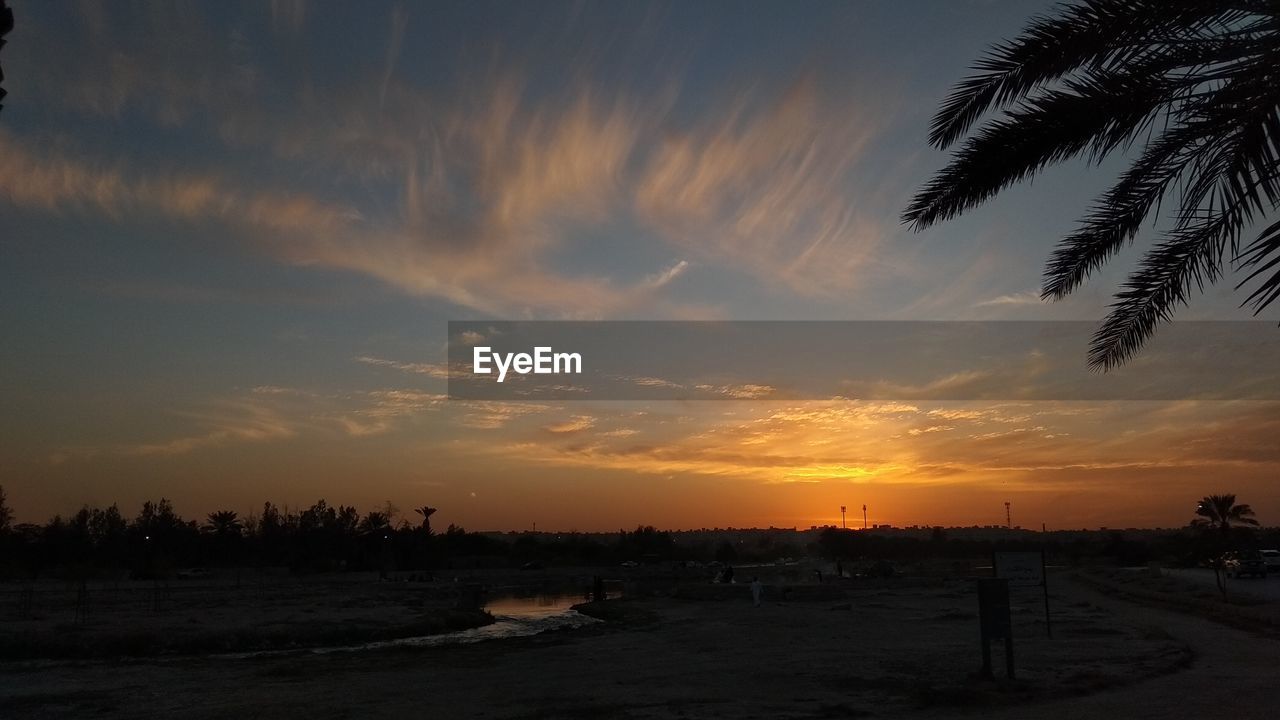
(232, 236)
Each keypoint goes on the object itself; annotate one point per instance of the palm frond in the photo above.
(1046, 129)
(1150, 295)
(1189, 259)
(1262, 255)
(6, 26)
(1199, 78)
(1119, 214)
(1092, 34)
(1193, 256)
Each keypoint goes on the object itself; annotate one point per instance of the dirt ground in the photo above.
(891, 650)
(219, 614)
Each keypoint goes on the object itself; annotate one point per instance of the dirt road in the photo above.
(1233, 673)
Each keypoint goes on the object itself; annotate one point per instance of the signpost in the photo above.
(1025, 569)
(993, 618)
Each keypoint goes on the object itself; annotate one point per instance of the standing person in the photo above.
(756, 590)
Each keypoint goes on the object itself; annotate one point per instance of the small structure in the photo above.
(995, 623)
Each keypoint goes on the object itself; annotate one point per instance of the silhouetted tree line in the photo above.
(1220, 525)
(157, 542)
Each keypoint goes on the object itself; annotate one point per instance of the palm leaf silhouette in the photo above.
(426, 512)
(1196, 82)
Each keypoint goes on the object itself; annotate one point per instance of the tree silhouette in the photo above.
(1218, 515)
(227, 531)
(157, 520)
(426, 513)
(374, 523)
(6, 513)
(1195, 82)
(6, 25)
(224, 523)
(1220, 512)
(108, 532)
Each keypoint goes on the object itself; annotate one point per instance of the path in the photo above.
(1234, 673)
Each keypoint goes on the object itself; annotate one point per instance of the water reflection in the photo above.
(523, 604)
(516, 613)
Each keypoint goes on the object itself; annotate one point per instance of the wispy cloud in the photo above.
(468, 191)
(238, 421)
(270, 413)
(1029, 297)
(52, 181)
(433, 370)
(494, 415)
(575, 424)
(651, 382)
(765, 186)
(746, 391)
(658, 280)
(385, 408)
(1044, 446)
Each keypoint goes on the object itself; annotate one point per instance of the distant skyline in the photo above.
(231, 237)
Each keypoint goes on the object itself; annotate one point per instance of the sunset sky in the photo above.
(232, 234)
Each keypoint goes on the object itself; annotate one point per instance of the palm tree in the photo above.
(226, 528)
(426, 513)
(1196, 83)
(1221, 512)
(224, 523)
(374, 523)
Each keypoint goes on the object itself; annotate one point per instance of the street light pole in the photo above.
(864, 517)
(842, 525)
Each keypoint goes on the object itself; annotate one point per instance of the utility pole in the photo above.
(1008, 517)
(864, 517)
(842, 525)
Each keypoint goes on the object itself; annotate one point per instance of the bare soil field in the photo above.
(215, 614)
(892, 648)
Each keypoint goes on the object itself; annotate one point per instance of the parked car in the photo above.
(1251, 565)
(1272, 559)
(1228, 562)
